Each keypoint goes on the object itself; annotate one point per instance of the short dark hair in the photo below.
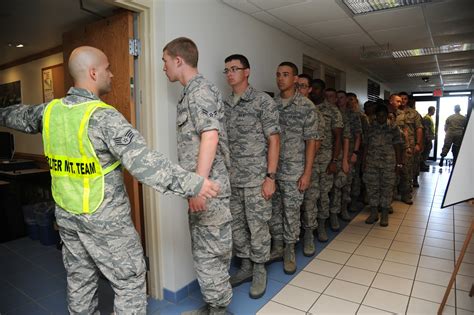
(185, 48)
(350, 94)
(403, 93)
(290, 64)
(393, 95)
(243, 60)
(342, 91)
(305, 76)
(381, 108)
(431, 108)
(330, 90)
(369, 104)
(318, 83)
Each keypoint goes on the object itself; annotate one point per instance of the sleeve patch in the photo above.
(126, 139)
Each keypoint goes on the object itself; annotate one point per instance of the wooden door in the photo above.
(111, 35)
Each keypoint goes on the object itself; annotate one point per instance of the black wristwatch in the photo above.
(271, 176)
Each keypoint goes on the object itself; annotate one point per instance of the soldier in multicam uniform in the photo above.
(414, 135)
(382, 156)
(106, 239)
(202, 147)
(429, 134)
(454, 128)
(325, 163)
(355, 129)
(299, 134)
(252, 124)
(342, 165)
(313, 192)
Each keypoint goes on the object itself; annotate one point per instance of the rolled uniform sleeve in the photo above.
(148, 166)
(270, 117)
(25, 118)
(396, 136)
(203, 111)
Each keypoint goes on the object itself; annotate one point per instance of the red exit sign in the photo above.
(438, 92)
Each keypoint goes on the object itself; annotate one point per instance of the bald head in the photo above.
(89, 68)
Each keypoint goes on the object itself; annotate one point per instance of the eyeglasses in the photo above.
(302, 86)
(232, 70)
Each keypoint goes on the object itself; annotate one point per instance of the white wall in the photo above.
(219, 31)
(31, 93)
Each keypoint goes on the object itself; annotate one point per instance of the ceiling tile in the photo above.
(272, 4)
(452, 27)
(309, 12)
(393, 18)
(456, 38)
(343, 41)
(449, 10)
(394, 35)
(462, 55)
(416, 60)
(337, 27)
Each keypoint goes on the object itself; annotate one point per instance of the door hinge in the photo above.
(134, 47)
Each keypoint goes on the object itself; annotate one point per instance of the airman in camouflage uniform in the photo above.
(382, 154)
(317, 206)
(299, 133)
(429, 134)
(253, 128)
(200, 119)
(106, 240)
(454, 128)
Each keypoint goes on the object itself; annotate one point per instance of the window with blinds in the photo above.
(373, 90)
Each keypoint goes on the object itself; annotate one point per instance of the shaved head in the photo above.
(89, 68)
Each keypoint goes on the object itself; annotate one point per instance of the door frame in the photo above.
(437, 100)
(147, 31)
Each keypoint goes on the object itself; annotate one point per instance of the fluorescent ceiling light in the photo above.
(19, 46)
(455, 84)
(445, 49)
(444, 72)
(459, 93)
(423, 94)
(366, 6)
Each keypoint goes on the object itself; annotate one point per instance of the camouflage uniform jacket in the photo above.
(455, 124)
(298, 122)
(428, 127)
(380, 142)
(332, 119)
(412, 122)
(201, 109)
(397, 118)
(113, 138)
(355, 127)
(249, 124)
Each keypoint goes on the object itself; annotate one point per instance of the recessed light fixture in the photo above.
(366, 6)
(444, 72)
(445, 49)
(460, 93)
(422, 94)
(455, 84)
(19, 46)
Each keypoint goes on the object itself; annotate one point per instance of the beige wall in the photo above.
(31, 93)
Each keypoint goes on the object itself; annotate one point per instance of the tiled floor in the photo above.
(403, 268)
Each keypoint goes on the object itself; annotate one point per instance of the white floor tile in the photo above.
(346, 247)
(402, 257)
(433, 276)
(420, 307)
(334, 256)
(464, 301)
(387, 301)
(468, 257)
(356, 275)
(464, 282)
(438, 252)
(376, 242)
(466, 269)
(409, 238)
(436, 242)
(431, 292)
(370, 251)
(382, 234)
(439, 234)
(323, 267)
(406, 247)
(392, 284)
(311, 281)
(273, 308)
(296, 297)
(436, 263)
(396, 269)
(356, 230)
(330, 305)
(346, 290)
(441, 227)
(367, 310)
(411, 230)
(415, 224)
(350, 237)
(363, 262)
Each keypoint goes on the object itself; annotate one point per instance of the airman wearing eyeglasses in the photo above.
(254, 141)
(304, 84)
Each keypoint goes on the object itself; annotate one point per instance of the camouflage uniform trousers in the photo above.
(454, 140)
(118, 255)
(309, 211)
(285, 221)
(250, 230)
(340, 180)
(212, 252)
(406, 175)
(347, 188)
(416, 164)
(356, 185)
(380, 182)
(428, 145)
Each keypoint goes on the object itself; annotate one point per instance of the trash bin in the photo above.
(29, 215)
(45, 220)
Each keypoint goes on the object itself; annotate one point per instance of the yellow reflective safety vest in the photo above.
(77, 178)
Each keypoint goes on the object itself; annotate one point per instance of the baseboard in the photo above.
(181, 294)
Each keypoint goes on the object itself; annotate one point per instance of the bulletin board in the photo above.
(53, 82)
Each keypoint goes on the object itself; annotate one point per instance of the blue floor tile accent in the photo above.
(11, 298)
(29, 309)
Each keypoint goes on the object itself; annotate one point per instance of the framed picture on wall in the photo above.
(53, 82)
(10, 94)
